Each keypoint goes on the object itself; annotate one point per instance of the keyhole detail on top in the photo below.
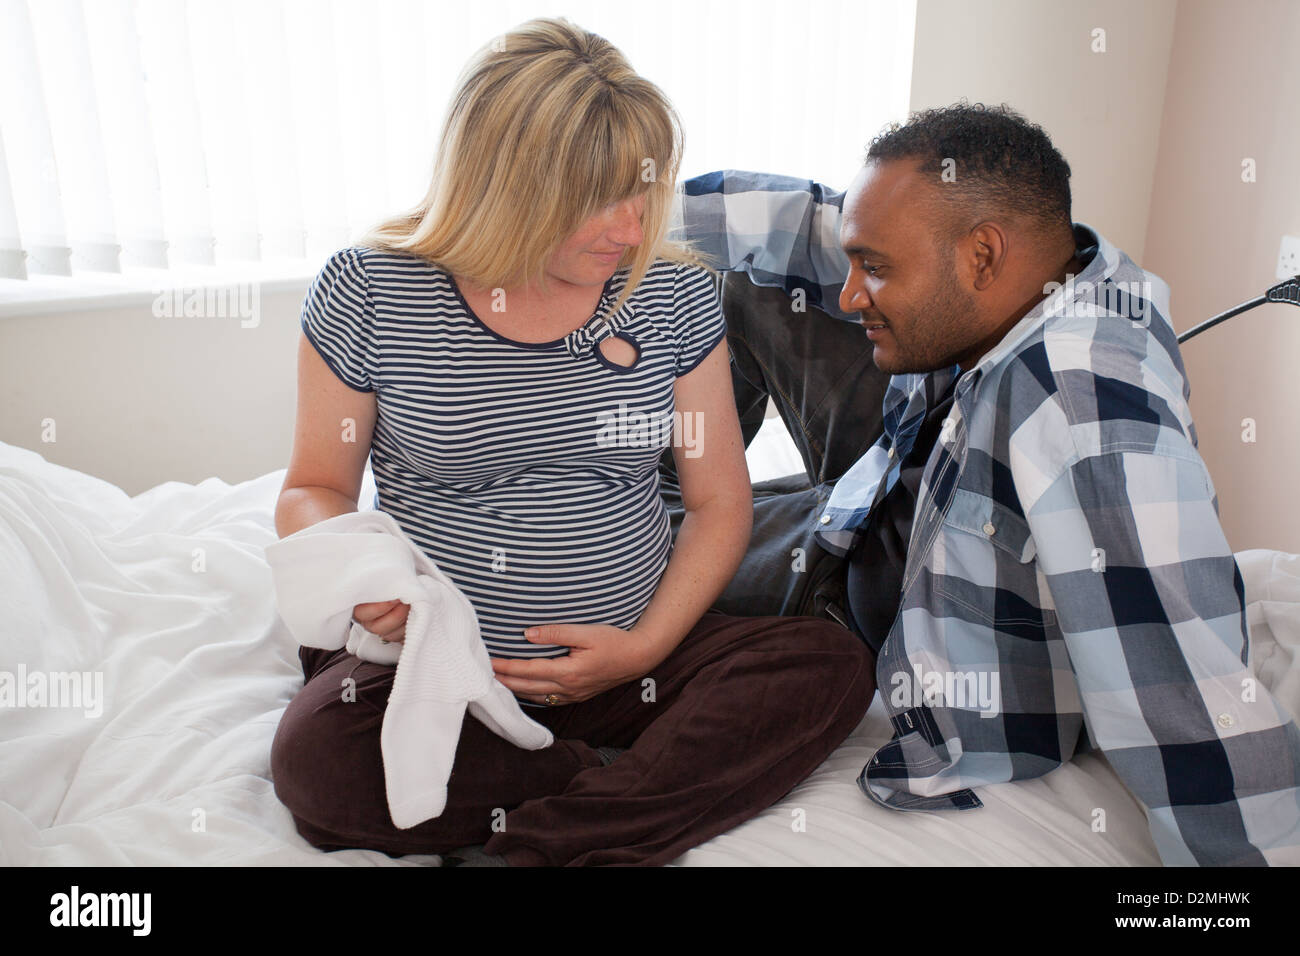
(619, 351)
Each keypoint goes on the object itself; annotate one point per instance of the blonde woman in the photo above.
(512, 352)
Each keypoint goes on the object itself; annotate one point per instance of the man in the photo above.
(1031, 545)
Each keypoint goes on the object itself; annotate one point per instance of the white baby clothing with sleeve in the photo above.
(323, 571)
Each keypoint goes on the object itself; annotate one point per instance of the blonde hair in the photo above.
(549, 125)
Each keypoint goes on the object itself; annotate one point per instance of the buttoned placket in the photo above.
(925, 514)
(916, 557)
(901, 718)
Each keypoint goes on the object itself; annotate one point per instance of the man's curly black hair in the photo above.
(1002, 163)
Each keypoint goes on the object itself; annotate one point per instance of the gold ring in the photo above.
(551, 700)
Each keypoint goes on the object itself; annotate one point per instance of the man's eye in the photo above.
(870, 269)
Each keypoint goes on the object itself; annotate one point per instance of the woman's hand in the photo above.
(387, 619)
(600, 657)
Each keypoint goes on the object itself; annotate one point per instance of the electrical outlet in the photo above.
(1288, 258)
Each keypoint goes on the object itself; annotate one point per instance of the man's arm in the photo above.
(1152, 608)
(782, 231)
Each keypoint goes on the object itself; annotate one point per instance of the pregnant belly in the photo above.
(590, 562)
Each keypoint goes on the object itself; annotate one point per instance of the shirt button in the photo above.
(825, 519)
(988, 527)
(891, 451)
(1225, 720)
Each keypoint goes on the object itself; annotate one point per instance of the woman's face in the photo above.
(591, 255)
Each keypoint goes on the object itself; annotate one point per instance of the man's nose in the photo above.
(854, 296)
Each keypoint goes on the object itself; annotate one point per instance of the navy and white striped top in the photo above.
(526, 471)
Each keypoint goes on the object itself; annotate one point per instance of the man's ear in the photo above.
(989, 245)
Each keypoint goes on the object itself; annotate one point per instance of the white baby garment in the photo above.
(323, 571)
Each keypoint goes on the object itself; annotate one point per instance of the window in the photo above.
(147, 138)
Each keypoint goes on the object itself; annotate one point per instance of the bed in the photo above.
(167, 594)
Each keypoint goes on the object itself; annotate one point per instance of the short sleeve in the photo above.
(338, 319)
(698, 322)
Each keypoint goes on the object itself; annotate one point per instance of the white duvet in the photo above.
(168, 597)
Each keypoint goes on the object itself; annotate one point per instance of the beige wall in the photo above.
(1102, 110)
(1233, 93)
(138, 400)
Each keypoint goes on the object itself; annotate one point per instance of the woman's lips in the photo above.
(610, 257)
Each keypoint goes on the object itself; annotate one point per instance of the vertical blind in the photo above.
(156, 133)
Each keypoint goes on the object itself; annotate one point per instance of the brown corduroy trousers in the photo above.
(743, 710)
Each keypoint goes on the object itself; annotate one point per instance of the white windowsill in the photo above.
(41, 294)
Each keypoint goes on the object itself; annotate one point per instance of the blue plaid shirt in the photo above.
(1067, 582)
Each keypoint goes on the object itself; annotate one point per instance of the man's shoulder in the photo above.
(1107, 394)
(1102, 376)
(1106, 357)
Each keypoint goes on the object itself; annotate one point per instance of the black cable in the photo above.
(1286, 291)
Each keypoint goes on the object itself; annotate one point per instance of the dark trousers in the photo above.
(754, 698)
(742, 711)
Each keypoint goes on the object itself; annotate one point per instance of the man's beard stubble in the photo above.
(937, 331)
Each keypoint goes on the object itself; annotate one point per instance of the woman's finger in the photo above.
(394, 620)
(566, 635)
(537, 688)
(373, 609)
(547, 670)
(542, 701)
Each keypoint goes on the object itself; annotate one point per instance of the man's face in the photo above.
(903, 280)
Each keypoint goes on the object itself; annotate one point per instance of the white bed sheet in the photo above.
(169, 596)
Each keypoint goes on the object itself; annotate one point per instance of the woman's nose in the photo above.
(626, 228)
